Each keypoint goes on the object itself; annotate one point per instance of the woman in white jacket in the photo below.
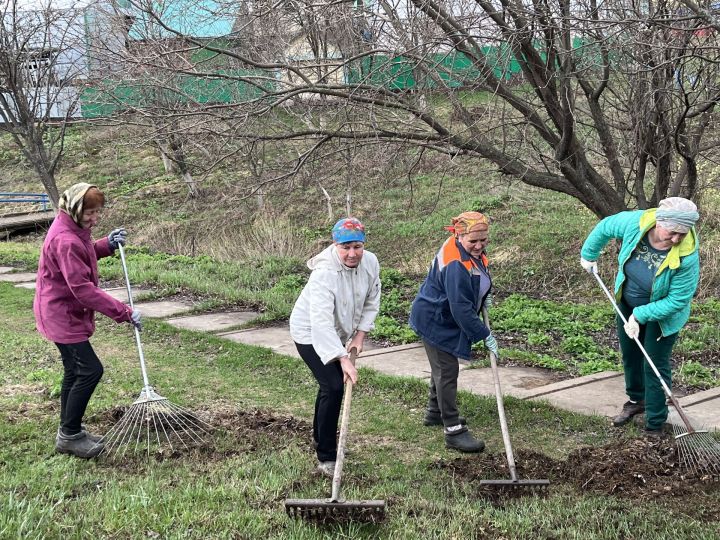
(333, 314)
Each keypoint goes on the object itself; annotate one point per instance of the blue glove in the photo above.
(135, 319)
(492, 345)
(117, 237)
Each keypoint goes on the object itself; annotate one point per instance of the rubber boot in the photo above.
(463, 441)
(78, 445)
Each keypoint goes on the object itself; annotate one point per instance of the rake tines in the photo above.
(335, 511)
(152, 422)
(518, 487)
(698, 451)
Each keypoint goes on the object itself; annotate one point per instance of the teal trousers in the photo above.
(641, 383)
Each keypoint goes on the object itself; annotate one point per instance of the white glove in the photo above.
(632, 328)
(488, 300)
(589, 266)
(492, 345)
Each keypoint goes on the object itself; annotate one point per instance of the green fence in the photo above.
(453, 69)
(108, 97)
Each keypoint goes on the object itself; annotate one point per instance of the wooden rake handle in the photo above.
(340, 459)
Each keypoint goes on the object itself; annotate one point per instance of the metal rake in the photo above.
(152, 421)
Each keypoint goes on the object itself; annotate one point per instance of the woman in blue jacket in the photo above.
(658, 273)
(445, 314)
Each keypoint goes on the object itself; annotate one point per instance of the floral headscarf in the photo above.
(71, 201)
(468, 222)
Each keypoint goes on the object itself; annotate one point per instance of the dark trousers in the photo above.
(641, 383)
(444, 369)
(83, 372)
(327, 403)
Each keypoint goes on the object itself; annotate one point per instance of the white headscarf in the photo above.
(676, 214)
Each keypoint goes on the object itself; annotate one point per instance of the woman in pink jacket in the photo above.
(66, 298)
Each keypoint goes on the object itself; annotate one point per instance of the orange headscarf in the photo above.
(468, 222)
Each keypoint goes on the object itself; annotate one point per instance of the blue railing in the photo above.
(40, 198)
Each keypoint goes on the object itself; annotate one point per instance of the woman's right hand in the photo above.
(349, 370)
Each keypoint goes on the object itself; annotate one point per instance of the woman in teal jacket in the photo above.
(658, 273)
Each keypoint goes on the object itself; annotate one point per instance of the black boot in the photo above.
(463, 441)
(434, 419)
(629, 410)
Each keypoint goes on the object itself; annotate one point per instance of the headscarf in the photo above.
(468, 222)
(71, 201)
(348, 230)
(676, 214)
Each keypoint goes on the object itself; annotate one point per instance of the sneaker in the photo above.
(78, 445)
(629, 410)
(464, 442)
(326, 468)
(434, 419)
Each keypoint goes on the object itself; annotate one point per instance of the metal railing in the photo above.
(14, 197)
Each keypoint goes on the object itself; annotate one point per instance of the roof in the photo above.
(194, 18)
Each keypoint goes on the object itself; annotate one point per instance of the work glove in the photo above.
(488, 301)
(589, 266)
(632, 328)
(135, 319)
(492, 345)
(117, 237)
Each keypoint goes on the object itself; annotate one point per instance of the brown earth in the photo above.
(634, 470)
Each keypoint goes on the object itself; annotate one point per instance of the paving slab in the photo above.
(6, 269)
(601, 396)
(515, 381)
(213, 322)
(276, 338)
(571, 383)
(28, 285)
(371, 349)
(20, 277)
(162, 308)
(402, 361)
(704, 415)
(700, 397)
(120, 293)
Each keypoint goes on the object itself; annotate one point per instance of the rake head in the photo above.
(698, 451)
(153, 422)
(328, 511)
(517, 488)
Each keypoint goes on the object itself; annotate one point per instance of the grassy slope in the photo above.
(238, 491)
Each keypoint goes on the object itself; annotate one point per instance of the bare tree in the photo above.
(42, 65)
(611, 103)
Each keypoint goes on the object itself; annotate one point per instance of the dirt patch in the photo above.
(229, 432)
(640, 469)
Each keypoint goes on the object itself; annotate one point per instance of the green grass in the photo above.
(578, 339)
(238, 492)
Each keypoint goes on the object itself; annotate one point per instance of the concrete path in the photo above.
(18, 277)
(600, 394)
(213, 322)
